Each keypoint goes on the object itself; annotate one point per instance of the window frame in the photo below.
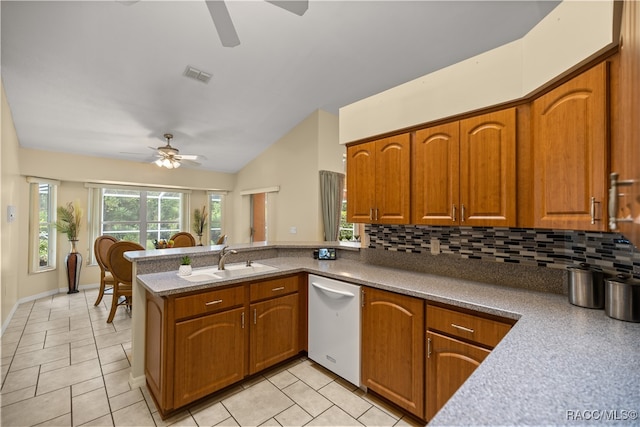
(210, 229)
(35, 225)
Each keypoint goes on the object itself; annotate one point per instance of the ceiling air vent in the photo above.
(196, 74)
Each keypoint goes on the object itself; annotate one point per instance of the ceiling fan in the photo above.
(170, 157)
(222, 19)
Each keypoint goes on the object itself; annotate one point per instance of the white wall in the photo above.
(573, 33)
(293, 164)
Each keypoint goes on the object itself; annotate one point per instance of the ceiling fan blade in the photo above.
(222, 21)
(190, 162)
(187, 156)
(299, 7)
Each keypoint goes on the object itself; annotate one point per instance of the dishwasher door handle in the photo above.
(333, 293)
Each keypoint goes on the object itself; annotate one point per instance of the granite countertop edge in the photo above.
(558, 362)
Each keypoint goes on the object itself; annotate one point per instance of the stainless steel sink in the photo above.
(231, 271)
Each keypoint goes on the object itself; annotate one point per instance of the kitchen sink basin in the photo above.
(231, 271)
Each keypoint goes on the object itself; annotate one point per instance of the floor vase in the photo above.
(73, 261)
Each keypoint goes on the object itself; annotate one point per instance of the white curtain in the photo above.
(331, 188)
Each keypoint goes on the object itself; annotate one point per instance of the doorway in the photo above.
(258, 227)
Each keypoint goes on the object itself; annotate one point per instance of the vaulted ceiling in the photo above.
(107, 78)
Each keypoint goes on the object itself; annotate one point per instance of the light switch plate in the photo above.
(11, 213)
(435, 246)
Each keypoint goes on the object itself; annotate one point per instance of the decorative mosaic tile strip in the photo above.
(538, 247)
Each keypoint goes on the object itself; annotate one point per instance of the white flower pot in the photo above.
(184, 270)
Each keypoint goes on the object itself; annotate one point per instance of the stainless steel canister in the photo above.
(622, 299)
(586, 286)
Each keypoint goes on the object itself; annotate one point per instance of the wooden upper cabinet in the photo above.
(464, 173)
(378, 174)
(488, 169)
(569, 127)
(435, 187)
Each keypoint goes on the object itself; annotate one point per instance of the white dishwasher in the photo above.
(334, 326)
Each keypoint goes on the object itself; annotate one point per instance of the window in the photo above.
(42, 244)
(215, 217)
(348, 230)
(140, 216)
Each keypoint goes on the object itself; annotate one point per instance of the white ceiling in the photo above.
(105, 78)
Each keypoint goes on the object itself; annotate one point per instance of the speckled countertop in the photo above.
(559, 364)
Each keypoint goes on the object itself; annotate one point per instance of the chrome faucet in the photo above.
(223, 254)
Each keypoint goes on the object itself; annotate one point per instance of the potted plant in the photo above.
(185, 266)
(68, 222)
(199, 222)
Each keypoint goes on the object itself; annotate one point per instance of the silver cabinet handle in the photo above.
(613, 199)
(371, 214)
(218, 301)
(255, 316)
(592, 210)
(428, 347)
(462, 213)
(453, 212)
(280, 288)
(376, 214)
(242, 317)
(462, 328)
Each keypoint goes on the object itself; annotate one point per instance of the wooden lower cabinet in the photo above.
(201, 342)
(210, 354)
(274, 332)
(393, 348)
(449, 363)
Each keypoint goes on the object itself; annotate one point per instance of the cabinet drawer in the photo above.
(274, 288)
(208, 302)
(474, 328)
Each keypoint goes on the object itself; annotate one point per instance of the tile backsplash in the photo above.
(534, 247)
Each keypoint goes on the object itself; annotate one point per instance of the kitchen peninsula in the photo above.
(559, 364)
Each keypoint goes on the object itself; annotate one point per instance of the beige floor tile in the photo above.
(28, 348)
(294, 416)
(61, 421)
(210, 415)
(312, 374)
(377, 417)
(257, 404)
(81, 343)
(31, 339)
(334, 416)
(111, 354)
(375, 401)
(68, 376)
(229, 422)
(87, 386)
(9, 349)
(69, 337)
(116, 366)
(51, 366)
(309, 399)
(108, 340)
(89, 406)
(18, 395)
(408, 422)
(117, 382)
(283, 379)
(33, 327)
(10, 336)
(41, 408)
(345, 399)
(136, 415)
(271, 422)
(83, 353)
(106, 421)
(38, 357)
(125, 399)
(17, 380)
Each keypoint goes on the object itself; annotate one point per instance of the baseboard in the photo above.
(137, 382)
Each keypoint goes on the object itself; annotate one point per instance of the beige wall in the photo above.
(573, 33)
(292, 164)
(10, 242)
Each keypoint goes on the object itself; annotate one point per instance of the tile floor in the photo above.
(63, 365)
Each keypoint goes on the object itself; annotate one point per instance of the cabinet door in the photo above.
(488, 169)
(435, 187)
(570, 153)
(274, 332)
(449, 363)
(361, 182)
(392, 178)
(209, 354)
(393, 348)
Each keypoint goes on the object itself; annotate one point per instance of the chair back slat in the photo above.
(120, 267)
(183, 240)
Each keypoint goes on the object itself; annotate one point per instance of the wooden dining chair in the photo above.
(122, 274)
(183, 240)
(100, 247)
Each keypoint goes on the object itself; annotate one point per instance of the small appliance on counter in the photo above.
(586, 286)
(622, 298)
(325, 254)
